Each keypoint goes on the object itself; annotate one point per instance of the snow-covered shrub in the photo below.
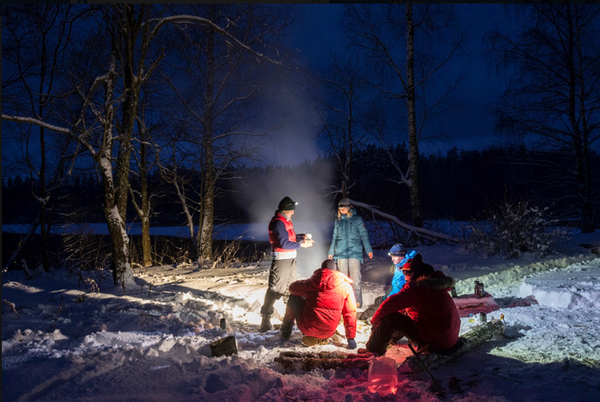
(512, 229)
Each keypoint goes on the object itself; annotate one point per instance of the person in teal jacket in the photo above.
(349, 238)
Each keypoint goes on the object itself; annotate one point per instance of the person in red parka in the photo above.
(422, 311)
(318, 303)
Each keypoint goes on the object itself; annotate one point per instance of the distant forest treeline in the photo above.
(460, 185)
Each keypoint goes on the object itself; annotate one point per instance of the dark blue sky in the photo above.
(471, 127)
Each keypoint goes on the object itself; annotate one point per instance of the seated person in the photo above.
(422, 311)
(400, 256)
(318, 303)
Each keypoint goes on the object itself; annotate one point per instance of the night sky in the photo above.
(317, 35)
(471, 127)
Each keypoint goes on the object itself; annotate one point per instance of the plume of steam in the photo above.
(313, 212)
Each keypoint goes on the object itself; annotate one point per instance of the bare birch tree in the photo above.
(554, 95)
(409, 71)
(214, 123)
(35, 40)
(114, 59)
(341, 107)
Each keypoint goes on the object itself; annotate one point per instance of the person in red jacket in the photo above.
(422, 311)
(318, 303)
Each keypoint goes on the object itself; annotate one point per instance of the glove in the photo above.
(351, 344)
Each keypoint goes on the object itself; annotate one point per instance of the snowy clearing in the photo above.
(63, 340)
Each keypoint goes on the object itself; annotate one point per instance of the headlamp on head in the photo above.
(397, 250)
(287, 204)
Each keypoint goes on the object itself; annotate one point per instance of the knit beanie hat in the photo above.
(345, 202)
(397, 250)
(328, 264)
(287, 204)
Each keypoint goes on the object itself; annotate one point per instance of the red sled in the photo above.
(473, 304)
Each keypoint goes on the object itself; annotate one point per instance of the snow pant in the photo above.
(382, 334)
(351, 268)
(294, 307)
(281, 275)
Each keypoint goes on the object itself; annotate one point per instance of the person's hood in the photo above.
(326, 279)
(436, 280)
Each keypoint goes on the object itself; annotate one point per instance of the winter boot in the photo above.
(265, 325)
(312, 341)
(286, 328)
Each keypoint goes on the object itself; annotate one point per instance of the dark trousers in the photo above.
(294, 308)
(270, 298)
(381, 335)
(281, 275)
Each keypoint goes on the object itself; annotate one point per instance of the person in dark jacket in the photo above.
(283, 269)
(422, 311)
(349, 238)
(318, 303)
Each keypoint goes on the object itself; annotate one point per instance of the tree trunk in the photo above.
(205, 228)
(44, 226)
(130, 103)
(413, 141)
(584, 170)
(145, 210)
(119, 239)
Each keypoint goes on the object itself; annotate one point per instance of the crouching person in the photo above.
(318, 303)
(422, 311)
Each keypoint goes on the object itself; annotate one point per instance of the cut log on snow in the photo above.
(471, 340)
(324, 360)
(407, 362)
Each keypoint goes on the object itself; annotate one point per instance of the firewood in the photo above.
(307, 361)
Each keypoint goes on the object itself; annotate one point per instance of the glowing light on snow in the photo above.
(238, 311)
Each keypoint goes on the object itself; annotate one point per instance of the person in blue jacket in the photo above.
(349, 238)
(400, 256)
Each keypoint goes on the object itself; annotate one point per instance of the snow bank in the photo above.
(570, 288)
(507, 282)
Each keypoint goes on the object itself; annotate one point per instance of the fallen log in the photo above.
(407, 362)
(324, 360)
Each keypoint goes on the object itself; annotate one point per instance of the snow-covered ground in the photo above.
(65, 340)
